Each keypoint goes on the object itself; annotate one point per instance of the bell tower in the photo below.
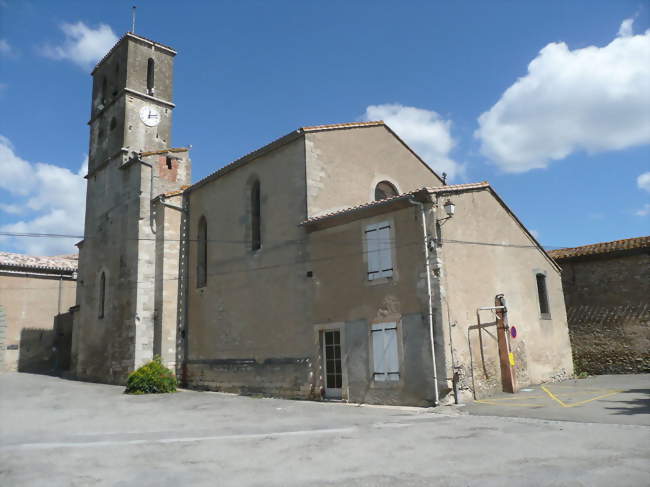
(130, 165)
(131, 100)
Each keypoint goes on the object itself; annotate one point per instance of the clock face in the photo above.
(149, 116)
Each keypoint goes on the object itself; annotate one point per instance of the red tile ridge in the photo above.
(601, 248)
(439, 189)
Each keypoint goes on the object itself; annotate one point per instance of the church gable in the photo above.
(346, 163)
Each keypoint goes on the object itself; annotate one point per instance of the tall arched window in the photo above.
(542, 293)
(102, 96)
(256, 217)
(151, 68)
(202, 254)
(102, 295)
(384, 190)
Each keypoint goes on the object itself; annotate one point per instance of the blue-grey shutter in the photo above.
(373, 252)
(391, 360)
(378, 352)
(385, 251)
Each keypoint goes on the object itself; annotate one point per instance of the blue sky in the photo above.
(549, 101)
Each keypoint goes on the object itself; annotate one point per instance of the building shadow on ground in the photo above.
(639, 404)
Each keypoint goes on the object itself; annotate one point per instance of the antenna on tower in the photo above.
(133, 19)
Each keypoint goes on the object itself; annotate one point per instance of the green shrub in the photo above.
(151, 378)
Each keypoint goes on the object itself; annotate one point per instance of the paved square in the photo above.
(56, 432)
(617, 399)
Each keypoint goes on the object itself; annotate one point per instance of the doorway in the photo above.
(332, 363)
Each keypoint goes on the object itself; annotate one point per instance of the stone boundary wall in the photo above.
(610, 339)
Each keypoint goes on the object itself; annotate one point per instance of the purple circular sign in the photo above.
(513, 332)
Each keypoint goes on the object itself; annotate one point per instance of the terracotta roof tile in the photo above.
(181, 190)
(334, 126)
(601, 248)
(452, 188)
(58, 262)
(164, 151)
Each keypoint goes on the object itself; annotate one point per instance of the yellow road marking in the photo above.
(554, 397)
(570, 405)
(593, 399)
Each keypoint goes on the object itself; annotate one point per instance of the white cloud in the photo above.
(83, 45)
(534, 233)
(593, 99)
(53, 196)
(627, 28)
(643, 181)
(5, 48)
(16, 172)
(644, 211)
(426, 132)
(12, 209)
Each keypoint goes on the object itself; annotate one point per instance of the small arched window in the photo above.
(202, 254)
(256, 217)
(385, 190)
(113, 124)
(542, 292)
(151, 68)
(102, 295)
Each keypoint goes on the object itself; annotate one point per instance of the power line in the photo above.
(320, 239)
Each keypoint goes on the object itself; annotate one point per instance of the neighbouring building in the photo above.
(607, 293)
(331, 262)
(35, 326)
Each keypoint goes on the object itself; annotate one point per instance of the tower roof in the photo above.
(131, 35)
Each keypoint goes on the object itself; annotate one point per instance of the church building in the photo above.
(329, 263)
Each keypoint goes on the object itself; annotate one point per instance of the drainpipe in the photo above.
(429, 299)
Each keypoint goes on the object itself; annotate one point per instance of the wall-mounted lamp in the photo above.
(450, 208)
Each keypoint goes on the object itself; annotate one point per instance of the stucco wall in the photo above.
(608, 307)
(31, 304)
(248, 328)
(344, 166)
(473, 274)
(345, 299)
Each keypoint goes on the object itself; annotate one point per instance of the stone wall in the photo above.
(608, 307)
(31, 303)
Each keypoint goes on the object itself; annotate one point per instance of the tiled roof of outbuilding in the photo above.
(59, 262)
(601, 248)
(451, 188)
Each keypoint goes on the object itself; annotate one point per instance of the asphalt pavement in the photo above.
(56, 432)
(614, 399)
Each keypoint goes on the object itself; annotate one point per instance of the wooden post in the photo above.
(506, 358)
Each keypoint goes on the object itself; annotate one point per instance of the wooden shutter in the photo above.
(385, 251)
(384, 352)
(390, 352)
(372, 246)
(378, 352)
(379, 250)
